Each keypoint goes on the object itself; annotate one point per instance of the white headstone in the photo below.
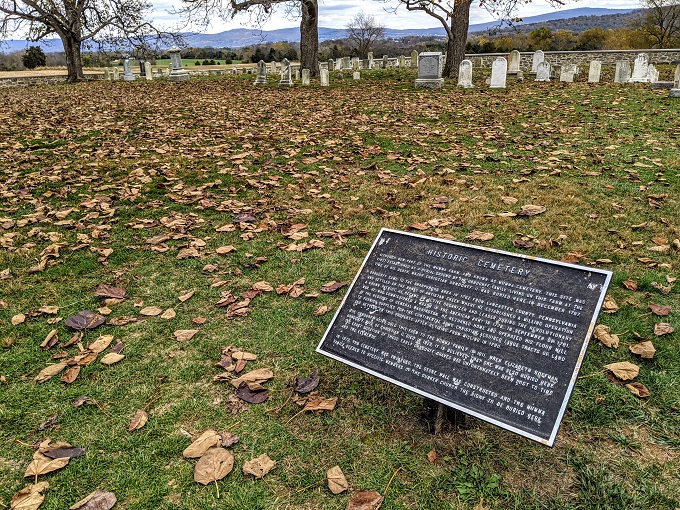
(356, 75)
(499, 70)
(513, 61)
(414, 58)
(594, 71)
(323, 76)
(567, 73)
(652, 73)
(285, 73)
(543, 71)
(331, 65)
(296, 74)
(370, 60)
(536, 59)
(178, 73)
(107, 74)
(465, 74)
(355, 63)
(261, 73)
(676, 77)
(305, 77)
(622, 73)
(346, 63)
(640, 68)
(116, 73)
(402, 61)
(127, 70)
(147, 70)
(430, 70)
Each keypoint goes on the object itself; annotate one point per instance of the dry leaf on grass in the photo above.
(476, 235)
(49, 310)
(337, 482)
(609, 305)
(186, 296)
(138, 420)
(332, 286)
(531, 210)
(70, 375)
(111, 358)
(643, 349)
(624, 370)
(365, 500)
(202, 444)
(638, 389)
(42, 464)
(109, 291)
(168, 314)
(253, 396)
(61, 452)
(29, 498)
(604, 335)
(663, 328)
(184, 335)
(307, 384)
(318, 404)
(660, 310)
(481, 505)
(214, 465)
(630, 285)
(432, 456)
(18, 319)
(259, 466)
(100, 343)
(262, 286)
(223, 250)
(50, 371)
(322, 310)
(98, 500)
(85, 320)
(151, 311)
(255, 376)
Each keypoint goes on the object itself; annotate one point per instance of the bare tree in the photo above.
(454, 15)
(80, 21)
(261, 11)
(661, 22)
(363, 31)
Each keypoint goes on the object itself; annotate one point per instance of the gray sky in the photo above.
(337, 13)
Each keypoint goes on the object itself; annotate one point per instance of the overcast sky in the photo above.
(337, 13)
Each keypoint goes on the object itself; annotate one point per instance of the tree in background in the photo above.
(34, 57)
(261, 11)
(80, 21)
(591, 39)
(363, 31)
(454, 15)
(541, 38)
(661, 22)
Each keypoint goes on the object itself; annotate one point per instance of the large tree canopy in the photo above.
(80, 21)
(454, 15)
(261, 11)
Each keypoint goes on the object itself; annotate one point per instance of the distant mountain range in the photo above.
(239, 37)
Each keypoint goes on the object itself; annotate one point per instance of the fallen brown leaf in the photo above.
(111, 358)
(184, 335)
(318, 404)
(214, 465)
(30, 497)
(259, 466)
(643, 349)
(71, 375)
(50, 371)
(610, 305)
(41, 464)
(254, 376)
(151, 311)
(660, 310)
(604, 335)
(202, 444)
(18, 319)
(630, 285)
(663, 328)
(624, 370)
(365, 500)
(168, 314)
(432, 456)
(638, 389)
(332, 286)
(476, 235)
(85, 320)
(138, 420)
(186, 296)
(307, 384)
(100, 343)
(109, 291)
(531, 210)
(337, 482)
(98, 500)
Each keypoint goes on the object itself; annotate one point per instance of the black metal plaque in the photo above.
(497, 335)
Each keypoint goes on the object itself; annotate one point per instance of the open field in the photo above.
(212, 186)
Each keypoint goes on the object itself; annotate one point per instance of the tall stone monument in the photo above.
(499, 71)
(178, 73)
(127, 70)
(369, 57)
(402, 61)
(465, 74)
(285, 73)
(622, 72)
(640, 68)
(147, 70)
(331, 65)
(323, 77)
(414, 58)
(594, 71)
(536, 59)
(261, 73)
(430, 70)
(513, 62)
(116, 73)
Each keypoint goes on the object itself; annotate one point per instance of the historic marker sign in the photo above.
(497, 335)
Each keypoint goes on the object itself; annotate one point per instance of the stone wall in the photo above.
(607, 57)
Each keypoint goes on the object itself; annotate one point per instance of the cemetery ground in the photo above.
(219, 214)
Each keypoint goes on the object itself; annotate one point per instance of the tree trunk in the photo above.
(73, 63)
(455, 45)
(309, 36)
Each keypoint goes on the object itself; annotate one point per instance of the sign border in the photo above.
(551, 439)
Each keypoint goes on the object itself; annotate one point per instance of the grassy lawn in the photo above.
(138, 185)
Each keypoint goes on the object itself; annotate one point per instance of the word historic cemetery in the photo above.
(496, 335)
